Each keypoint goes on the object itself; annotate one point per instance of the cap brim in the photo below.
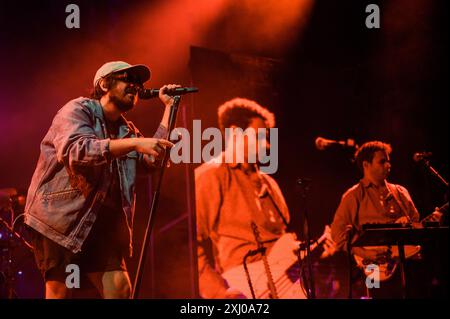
(140, 71)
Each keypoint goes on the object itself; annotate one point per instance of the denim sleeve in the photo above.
(75, 141)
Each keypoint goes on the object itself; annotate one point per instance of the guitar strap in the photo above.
(393, 189)
(272, 196)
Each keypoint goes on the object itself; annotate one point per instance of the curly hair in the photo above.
(367, 151)
(240, 111)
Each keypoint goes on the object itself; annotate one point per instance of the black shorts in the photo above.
(104, 249)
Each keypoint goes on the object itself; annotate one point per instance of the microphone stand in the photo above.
(435, 173)
(349, 234)
(7, 262)
(304, 188)
(155, 200)
(7, 254)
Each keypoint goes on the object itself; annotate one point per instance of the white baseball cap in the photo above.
(140, 71)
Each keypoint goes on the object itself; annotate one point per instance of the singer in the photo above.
(81, 200)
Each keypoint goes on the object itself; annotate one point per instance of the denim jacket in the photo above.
(74, 172)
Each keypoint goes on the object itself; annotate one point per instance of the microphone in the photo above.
(146, 94)
(420, 156)
(323, 143)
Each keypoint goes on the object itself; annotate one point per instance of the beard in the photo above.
(122, 100)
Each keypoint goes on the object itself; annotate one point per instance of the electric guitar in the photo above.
(282, 258)
(388, 263)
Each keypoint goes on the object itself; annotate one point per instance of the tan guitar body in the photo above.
(388, 265)
(281, 258)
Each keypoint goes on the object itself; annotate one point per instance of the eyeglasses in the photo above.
(125, 77)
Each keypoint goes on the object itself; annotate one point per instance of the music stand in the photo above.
(391, 235)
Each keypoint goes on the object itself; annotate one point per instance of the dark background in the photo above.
(313, 63)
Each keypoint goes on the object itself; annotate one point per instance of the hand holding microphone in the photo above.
(165, 93)
(167, 90)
